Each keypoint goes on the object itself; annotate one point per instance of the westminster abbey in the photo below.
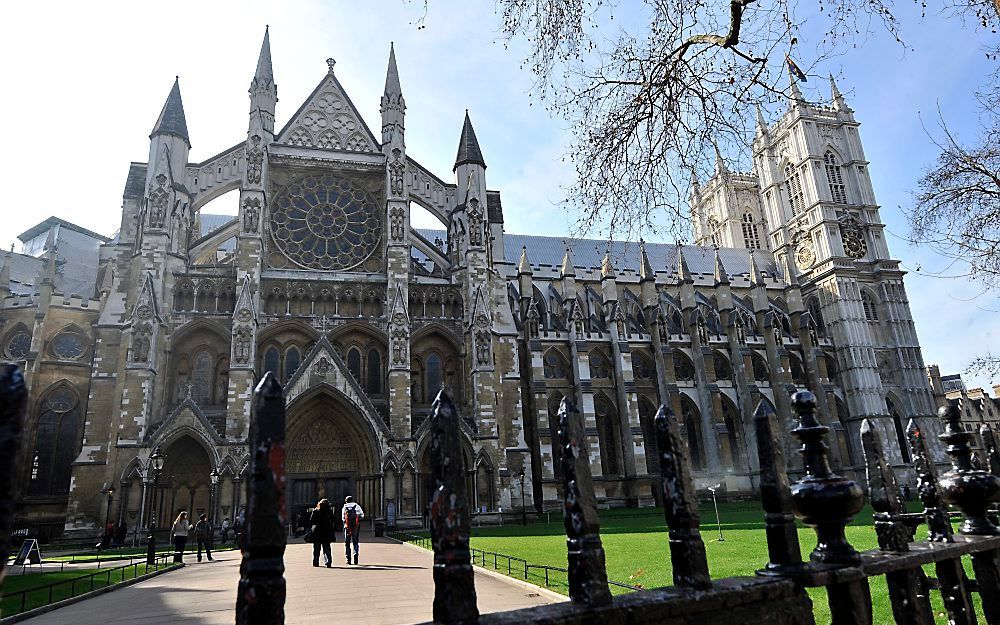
(155, 337)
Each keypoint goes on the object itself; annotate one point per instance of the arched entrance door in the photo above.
(330, 455)
(185, 483)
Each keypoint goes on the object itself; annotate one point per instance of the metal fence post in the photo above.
(260, 598)
(588, 577)
(13, 400)
(454, 587)
(680, 504)
(908, 587)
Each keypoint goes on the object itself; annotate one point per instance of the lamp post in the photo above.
(156, 465)
(110, 492)
(715, 503)
(214, 477)
(524, 512)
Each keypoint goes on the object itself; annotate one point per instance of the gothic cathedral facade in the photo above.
(155, 338)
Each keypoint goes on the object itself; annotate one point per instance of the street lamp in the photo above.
(524, 512)
(156, 464)
(110, 492)
(715, 503)
(214, 476)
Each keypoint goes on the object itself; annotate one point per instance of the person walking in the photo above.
(179, 531)
(225, 530)
(351, 516)
(322, 531)
(203, 533)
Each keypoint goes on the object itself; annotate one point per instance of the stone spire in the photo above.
(607, 268)
(468, 146)
(264, 73)
(171, 120)
(567, 268)
(791, 277)
(762, 129)
(523, 266)
(721, 277)
(392, 87)
(756, 277)
(836, 96)
(720, 163)
(683, 272)
(796, 97)
(647, 278)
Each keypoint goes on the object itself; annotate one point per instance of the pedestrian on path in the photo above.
(225, 530)
(203, 532)
(180, 531)
(322, 531)
(351, 516)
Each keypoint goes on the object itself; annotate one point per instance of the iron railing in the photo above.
(22, 600)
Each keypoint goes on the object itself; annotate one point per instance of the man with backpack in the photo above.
(351, 516)
(203, 532)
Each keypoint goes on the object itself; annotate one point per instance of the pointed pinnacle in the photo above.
(607, 269)
(468, 146)
(721, 277)
(264, 73)
(171, 120)
(5, 276)
(790, 275)
(756, 277)
(720, 164)
(682, 267)
(645, 268)
(761, 122)
(796, 94)
(523, 266)
(567, 264)
(392, 74)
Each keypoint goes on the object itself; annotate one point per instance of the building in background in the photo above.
(155, 338)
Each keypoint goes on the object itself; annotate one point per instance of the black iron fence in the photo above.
(512, 566)
(26, 599)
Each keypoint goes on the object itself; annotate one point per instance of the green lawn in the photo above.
(635, 542)
(40, 591)
(126, 553)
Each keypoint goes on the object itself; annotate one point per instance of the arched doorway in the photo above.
(185, 483)
(331, 454)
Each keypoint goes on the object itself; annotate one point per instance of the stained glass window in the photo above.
(838, 192)
(796, 198)
(272, 361)
(202, 379)
(751, 234)
(555, 365)
(600, 368)
(374, 372)
(683, 368)
(292, 359)
(434, 375)
(18, 346)
(325, 222)
(68, 346)
(55, 443)
(354, 362)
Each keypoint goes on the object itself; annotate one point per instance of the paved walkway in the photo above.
(393, 585)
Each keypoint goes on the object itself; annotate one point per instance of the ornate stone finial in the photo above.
(607, 268)
(883, 492)
(330, 62)
(188, 388)
(971, 490)
(823, 500)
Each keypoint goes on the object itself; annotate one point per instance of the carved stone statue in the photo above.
(255, 160)
(241, 351)
(396, 172)
(483, 347)
(475, 223)
(251, 214)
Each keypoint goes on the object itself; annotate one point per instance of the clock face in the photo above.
(68, 346)
(854, 242)
(804, 256)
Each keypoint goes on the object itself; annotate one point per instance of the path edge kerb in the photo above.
(495, 574)
(17, 618)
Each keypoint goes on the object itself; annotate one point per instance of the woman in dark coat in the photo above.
(323, 531)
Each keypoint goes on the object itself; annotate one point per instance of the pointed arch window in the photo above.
(555, 366)
(435, 375)
(374, 378)
(606, 430)
(683, 367)
(55, 443)
(202, 377)
(642, 367)
(751, 233)
(835, 177)
(293, 357)
(817, 315)
(714, 231)
(869, 305)
(689, 417)
(723, 370)
(272, 361)
(793, 184)
(600, 367)
(18, 345)
(354, 362)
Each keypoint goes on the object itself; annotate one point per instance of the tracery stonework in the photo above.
(321, 448)
(255, 160)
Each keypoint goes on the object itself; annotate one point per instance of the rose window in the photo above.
(324, 222)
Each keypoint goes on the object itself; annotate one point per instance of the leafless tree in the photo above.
(650, 104)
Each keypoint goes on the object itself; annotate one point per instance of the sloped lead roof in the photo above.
(171, 120)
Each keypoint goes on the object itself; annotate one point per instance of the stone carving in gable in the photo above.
(475, 215)
(141, 340)
(396, 171)
(329, 122)
(159, 200)
(396, 229)
(241, 348)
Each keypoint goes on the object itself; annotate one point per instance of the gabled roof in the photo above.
(42, 226)
(329, 120)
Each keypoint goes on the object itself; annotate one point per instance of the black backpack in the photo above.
(352, 520)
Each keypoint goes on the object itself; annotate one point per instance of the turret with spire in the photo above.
(647, 278)
(263, 91)
(169, 138)
(393, 105)
(609, 284)
(470, 174)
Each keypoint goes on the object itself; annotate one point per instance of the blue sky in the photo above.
(85, 82)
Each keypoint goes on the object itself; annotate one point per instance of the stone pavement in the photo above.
(393, 585)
